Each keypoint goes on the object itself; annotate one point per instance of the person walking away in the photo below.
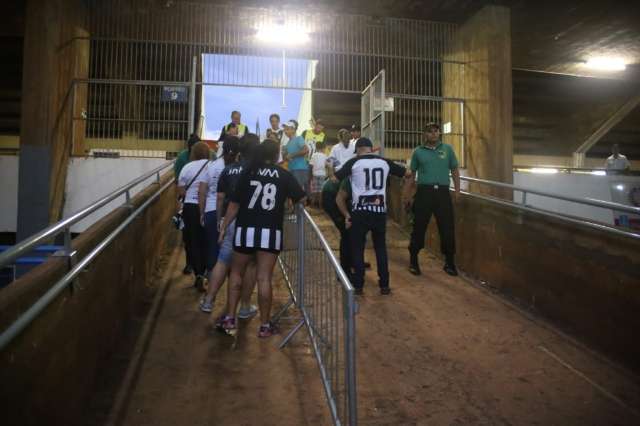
(258, 204)
(226, 186)
(181, 160)
(368, 175)
(432, 162)
(319, 174)
(208, 197)
(188, 193)
(296, 156)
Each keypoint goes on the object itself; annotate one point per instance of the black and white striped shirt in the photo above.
(368, 175)
(262, 195)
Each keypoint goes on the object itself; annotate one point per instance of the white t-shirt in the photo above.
(186, 175)
(318, 162)
(340, 155)
(210, 175)
(620, 163)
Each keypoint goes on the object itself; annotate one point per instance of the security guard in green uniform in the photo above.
(235, 119)
(432, 162)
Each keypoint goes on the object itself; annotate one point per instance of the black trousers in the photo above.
(194, 238)
(431, 201)
(361, 224)
(330, 206)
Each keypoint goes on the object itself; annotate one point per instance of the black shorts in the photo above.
(253, 250)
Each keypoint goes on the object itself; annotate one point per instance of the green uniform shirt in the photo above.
(433, 164)
(331, 186)
(181, 160)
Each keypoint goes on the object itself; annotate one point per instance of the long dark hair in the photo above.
(265, 153)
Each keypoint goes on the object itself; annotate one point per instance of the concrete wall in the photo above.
(585, 281)
(48, 372)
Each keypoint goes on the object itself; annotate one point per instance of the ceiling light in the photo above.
(282, 35)
(605, 63)
(544, 171)
(599, 173)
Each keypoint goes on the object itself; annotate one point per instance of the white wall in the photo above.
(90, 179)
(8, 193)
(606, 188)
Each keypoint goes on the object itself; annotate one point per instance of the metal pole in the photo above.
(383, 100)
(350, 354)
(301, 242)
(192, 96)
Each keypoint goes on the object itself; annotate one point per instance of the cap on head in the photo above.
(291, 124)
(431, 125)
(355, 128)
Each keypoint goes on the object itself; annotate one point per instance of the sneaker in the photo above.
(187, 270)
(267, 330)
(414, 267)
(205, 306)
(230, 327)
(199, 283)
(248, 312)
(385, 291)
(358, 291)
(450, 269)
(220, 322)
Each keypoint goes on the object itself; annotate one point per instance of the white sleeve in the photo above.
(183, 179)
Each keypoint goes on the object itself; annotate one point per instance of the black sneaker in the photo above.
(414, 267)
(385, 291)
(187, 270)
(450, 269)
(358, 291)
(199, 283)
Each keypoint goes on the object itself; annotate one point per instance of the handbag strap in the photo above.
(186, 188)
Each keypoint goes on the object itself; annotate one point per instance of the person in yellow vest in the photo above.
(316, 134)
(235, 119)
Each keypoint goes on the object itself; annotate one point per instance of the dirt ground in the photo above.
(438, 351)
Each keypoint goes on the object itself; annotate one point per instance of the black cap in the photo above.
(362, 142)
(355, 128)
(432, 125)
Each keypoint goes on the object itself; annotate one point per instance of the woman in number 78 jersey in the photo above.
(258, 204)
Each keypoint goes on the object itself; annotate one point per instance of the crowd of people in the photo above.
(233, 206)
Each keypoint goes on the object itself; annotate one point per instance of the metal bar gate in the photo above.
(322, 292)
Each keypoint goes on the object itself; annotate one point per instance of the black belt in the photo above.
(433, 186)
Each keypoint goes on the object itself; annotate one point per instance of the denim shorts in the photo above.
(225, 251)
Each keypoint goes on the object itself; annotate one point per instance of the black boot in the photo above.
(450, 266)
(414, 267)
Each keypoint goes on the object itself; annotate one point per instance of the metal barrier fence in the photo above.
(322, 292)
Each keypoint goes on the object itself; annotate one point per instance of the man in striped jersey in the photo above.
(368, 174)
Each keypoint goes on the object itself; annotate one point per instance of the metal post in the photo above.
(383, 100)
(463, 153)
(350, 355)
(301, 241)
(192, 96)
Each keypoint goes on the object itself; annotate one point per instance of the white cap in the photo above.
(290, 124)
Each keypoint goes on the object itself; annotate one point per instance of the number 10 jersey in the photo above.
(368, 175)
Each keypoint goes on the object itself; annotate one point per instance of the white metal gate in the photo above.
(372, 108)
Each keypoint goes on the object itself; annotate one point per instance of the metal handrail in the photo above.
(583, 222)
(34, 310)
(26, 245)
(587, 201)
